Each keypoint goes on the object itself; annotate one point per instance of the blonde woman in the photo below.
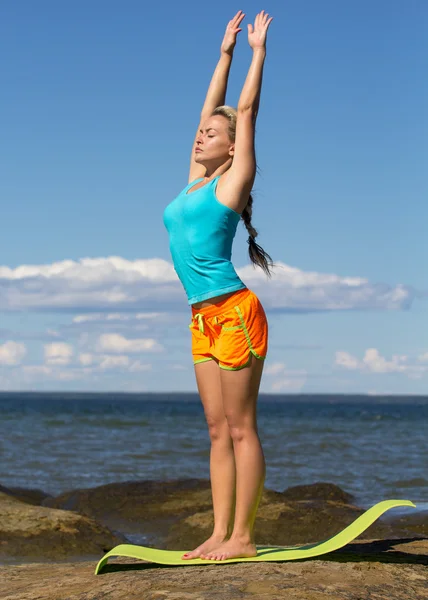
(229, 326)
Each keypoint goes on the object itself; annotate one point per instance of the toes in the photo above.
(211, 556)
(190, 555)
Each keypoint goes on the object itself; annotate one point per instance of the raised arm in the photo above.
(243, 168)
(216, 95)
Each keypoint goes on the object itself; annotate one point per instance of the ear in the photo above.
(232, 150)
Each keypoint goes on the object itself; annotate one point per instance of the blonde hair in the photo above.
(257, 255)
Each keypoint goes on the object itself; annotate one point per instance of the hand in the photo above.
(232, 31)
(257, 36)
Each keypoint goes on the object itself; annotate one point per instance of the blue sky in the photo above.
(100, 103)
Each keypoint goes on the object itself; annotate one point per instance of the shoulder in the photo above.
(231, 192)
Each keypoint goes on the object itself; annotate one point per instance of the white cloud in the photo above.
(12, 353)
(423, 357)
(105, 361)
(344, 359)
(378, 364)
(292, 380)
(280, 368)
(103, 283)
(113, 362)
(291, 288)
(116, 343)
(37, 370)
(102, 318)
(58, 353)
(53, 333)
(31, 373)
(68, 375)
(137, 366)
(117, 362)
(274, 369)
(91, 364)
(293, 385)
(374, 362)
(86, 359)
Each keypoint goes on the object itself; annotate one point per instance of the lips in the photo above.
(198, 150)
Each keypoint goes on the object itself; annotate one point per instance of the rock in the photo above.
(378, 570)
(411, 522)
(281, 523)
(139, 506)
(283, 518)
(34, 531)
(132, 500)
(31, 496)
(178, 514)
(317, 491)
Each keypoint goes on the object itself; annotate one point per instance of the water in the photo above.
(372, 447)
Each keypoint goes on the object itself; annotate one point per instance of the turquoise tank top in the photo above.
(201, 231)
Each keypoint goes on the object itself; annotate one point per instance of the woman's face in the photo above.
(213, 143)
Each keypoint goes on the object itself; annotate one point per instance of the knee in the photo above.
(241, 428)
(218, 430)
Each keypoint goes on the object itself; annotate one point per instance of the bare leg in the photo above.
(222, 459)
(240, 391)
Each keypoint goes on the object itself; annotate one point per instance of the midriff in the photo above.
(214, 300)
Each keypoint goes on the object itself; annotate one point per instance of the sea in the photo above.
(374, 447)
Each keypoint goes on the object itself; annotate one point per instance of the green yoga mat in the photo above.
(264, 553)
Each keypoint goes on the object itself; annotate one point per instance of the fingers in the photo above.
(236, 21)
(262, 21)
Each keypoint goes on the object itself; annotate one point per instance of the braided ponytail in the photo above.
(258, 256)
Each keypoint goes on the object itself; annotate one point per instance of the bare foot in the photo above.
(231, 549)
(212, 542)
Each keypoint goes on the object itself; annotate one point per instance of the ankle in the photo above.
(220, 534)
(243, 538)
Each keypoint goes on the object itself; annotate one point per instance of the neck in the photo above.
(212, 172)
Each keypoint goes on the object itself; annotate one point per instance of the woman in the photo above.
(229, 326)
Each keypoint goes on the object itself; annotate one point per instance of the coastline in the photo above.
(54, 534)
(364, 570)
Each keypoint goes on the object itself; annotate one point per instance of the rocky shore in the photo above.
(49, 545)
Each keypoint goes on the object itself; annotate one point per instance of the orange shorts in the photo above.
(230, 331)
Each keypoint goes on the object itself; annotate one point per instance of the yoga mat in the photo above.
(264, 553)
